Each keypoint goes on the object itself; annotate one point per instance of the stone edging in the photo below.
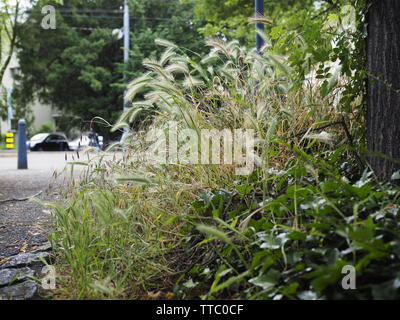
(16, 274)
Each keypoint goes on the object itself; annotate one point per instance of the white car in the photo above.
(82, 143)
(79, 143)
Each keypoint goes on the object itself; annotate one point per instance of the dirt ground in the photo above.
(25, 224)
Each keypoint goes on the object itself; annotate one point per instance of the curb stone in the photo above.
(25, 259)
(8, 276)
(16, 271)
(23, 291)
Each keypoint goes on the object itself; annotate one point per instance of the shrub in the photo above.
(283, 232)
(47, 127)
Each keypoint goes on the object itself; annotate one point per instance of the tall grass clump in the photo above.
(140, 229)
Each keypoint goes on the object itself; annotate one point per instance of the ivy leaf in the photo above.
(266, 280)
(396, 175)
(307, 295)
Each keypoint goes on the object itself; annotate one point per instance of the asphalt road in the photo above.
(25, 224)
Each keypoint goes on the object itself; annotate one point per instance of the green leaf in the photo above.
(190, 284)
(290, 289)
(229, 282)
(78, 163)
(266, 280)
(396, 175)
(136, 179)
(213, 232)
(307, 295)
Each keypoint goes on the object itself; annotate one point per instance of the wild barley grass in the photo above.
(123, 229)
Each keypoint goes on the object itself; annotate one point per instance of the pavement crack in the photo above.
(21, 199)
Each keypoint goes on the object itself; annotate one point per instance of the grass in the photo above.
(115, 235)
(133, 230)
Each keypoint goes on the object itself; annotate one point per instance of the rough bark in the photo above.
(383, 88)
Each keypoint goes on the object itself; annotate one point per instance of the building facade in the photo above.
(42, 113)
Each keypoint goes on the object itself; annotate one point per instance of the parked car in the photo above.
(85, 141)
(48, 142)
(79, 143)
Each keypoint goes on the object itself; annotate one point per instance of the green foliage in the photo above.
(298, 241)
(283, 232)
(115, 241)
(3, 104)
(2, 141)
(314, 41)
(230, 18)
(9, 12)
(70, 67)
(258, 237)
(47, 127)
(312, 36)
(78, 67)
(172, 21)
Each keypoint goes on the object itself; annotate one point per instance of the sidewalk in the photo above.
(8, 153)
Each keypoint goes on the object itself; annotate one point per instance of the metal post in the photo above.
(22, 154)
(259, 26)
(126, 57)
(126, 43)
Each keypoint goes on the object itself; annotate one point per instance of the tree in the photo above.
(8, 35)
(8, 32)
(170, 20)
(78, 67)
(383, 95)
(230, 18)
(74, 66)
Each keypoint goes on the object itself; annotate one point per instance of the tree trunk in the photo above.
(12, 37)
(383, 88)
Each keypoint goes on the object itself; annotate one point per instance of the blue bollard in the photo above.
(22, 153)
(259, 25)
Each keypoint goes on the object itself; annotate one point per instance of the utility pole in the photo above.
(259, 26)
(126, 44)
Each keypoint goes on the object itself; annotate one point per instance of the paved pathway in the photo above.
(24, 224)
